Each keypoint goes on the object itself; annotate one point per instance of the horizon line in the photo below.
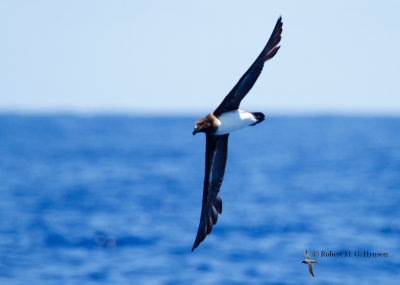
(180, 113)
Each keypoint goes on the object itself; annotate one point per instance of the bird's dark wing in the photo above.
(310, 269)
(306, 255)
(233, 99)
(216, 152)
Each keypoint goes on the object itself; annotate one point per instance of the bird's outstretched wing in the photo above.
(233, 99)
(307, 255)
(216, 153)
(310, 269)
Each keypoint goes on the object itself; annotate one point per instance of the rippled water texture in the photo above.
(116, 200)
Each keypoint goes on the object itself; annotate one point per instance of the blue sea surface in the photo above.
(117, 200)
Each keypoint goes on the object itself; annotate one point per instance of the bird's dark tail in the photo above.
(259, 117)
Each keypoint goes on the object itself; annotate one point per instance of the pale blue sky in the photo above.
(185, 56)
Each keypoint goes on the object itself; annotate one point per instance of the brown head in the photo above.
(205, 125)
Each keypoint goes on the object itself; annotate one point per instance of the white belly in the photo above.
(234, 120)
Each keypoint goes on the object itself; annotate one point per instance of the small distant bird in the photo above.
(218, 125)
(309, 262)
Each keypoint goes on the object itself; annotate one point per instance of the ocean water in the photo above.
(117, 200)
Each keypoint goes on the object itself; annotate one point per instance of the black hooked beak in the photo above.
(195, 131)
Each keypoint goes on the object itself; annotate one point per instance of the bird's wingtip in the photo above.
(198, 239)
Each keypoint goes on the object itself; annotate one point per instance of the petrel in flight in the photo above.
(218, 125)
(309, 262)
